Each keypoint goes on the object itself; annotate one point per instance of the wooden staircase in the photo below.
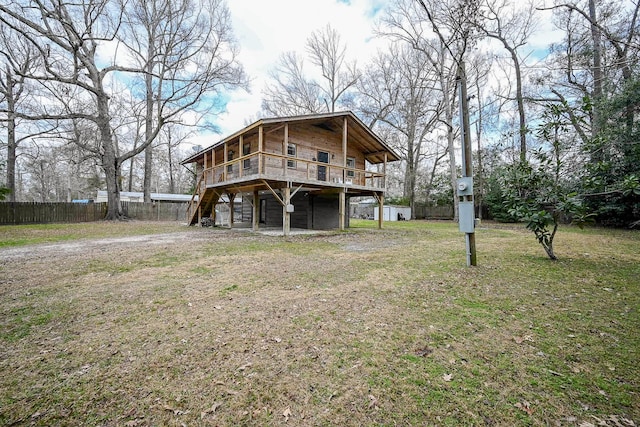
(203, 205)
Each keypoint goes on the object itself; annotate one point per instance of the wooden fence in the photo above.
(155, 211)
(433, 212)
(42, 213)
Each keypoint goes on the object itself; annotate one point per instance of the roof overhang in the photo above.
(371, 145)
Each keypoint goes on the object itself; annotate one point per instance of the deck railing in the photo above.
(282, 167)
(278, 166)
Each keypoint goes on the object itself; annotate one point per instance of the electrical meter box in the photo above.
(466, 211)
(464, 186)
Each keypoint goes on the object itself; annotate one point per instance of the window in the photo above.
(229, 158)
(351, 164)
(246, 150)
(291, 152)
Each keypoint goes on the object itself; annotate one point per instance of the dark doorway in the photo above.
(263, 211)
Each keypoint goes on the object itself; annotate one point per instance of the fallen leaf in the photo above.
(286, 414)
(245, 366)
(210, 410)
(524, 406)
(447, 377)
(424, 352)
(520, 340)
(373, 402)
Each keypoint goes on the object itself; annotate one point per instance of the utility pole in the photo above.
(464, 188)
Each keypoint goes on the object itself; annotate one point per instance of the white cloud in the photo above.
(265, 30)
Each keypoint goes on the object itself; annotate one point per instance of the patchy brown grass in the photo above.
(211, 327)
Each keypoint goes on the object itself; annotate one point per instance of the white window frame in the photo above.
(291, 164)
(246, 150)
(351, 164)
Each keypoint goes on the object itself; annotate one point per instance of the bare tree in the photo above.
(68, 37)
(404, 100)
(17, 95)
(179, 47)
(329, 55)
(293, 90)
(512, 25)
(289, 91)
(442, 30)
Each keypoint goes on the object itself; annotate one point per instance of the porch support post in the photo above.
(232, 196)
(224, 160)
(256, 211)
(286, 216)
(240, 154)
(342, 209)
(285, 148)
(260, 148)
(344, 150)
(214, 203)
(384, 171)
(380, 210)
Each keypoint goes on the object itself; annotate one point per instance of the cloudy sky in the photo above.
(266, 29)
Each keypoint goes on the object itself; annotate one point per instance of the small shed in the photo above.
(393, 213)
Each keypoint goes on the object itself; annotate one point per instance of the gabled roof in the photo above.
(358, 133)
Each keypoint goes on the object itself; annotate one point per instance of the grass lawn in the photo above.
(210, 327)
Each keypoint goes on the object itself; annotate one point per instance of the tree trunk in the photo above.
(111, 170)
(480, 190)
(596, 69)
(148, 123)
(11, 137)
(110, 162)
(448, 111)
(172, 185)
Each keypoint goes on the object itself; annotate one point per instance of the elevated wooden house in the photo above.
(292, 171)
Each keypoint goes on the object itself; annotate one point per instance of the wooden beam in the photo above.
(260, 147)
(341, 209)
(224, 160)
(286, 216)
(240, 154)
(273, 192)
(256, 211)
(344, 150)
(296, 190)
(231, 196)
(380, 198)
(285, 147)
(384, 171)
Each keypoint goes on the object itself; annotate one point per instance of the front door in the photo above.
(323, 157)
